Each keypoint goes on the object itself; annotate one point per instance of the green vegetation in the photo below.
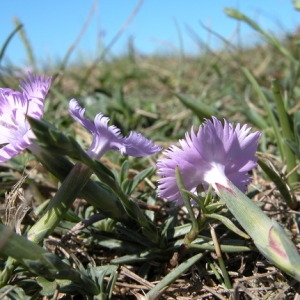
(115, 256)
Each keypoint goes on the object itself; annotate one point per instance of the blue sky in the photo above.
(53, 26)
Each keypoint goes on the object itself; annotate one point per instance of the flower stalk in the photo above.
(187, 202)
(220, 258)
(95, 193)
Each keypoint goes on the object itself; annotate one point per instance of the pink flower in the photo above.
(16, 133)
(216, 153)
(109, 137)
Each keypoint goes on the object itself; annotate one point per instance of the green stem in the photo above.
(61, 202)
(60, 167)
(99, 195)
(187, 202)
(220, 259)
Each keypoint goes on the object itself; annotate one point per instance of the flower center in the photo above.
(216, 174)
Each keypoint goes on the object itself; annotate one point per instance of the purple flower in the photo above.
(216, 153)
(109, 137)
(16, 133)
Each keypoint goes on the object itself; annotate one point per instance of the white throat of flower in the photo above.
(216, 174)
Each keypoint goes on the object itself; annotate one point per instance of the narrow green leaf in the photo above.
(187, 202)
(200, 109)
(268, 109)
(48, 287)
(8, 39)
(280, 184)
(97, 194)
(105, 277)
(234, 13)
(14, 292)
(229, 224)
(40, 261)
(139, 178)
(224, 248)
(297, 130)
(50, 138)
(26, 43)
(252, 115)
(286, 131)
(124, 172)
(172, 276)
(270, 239)
(134, 258)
